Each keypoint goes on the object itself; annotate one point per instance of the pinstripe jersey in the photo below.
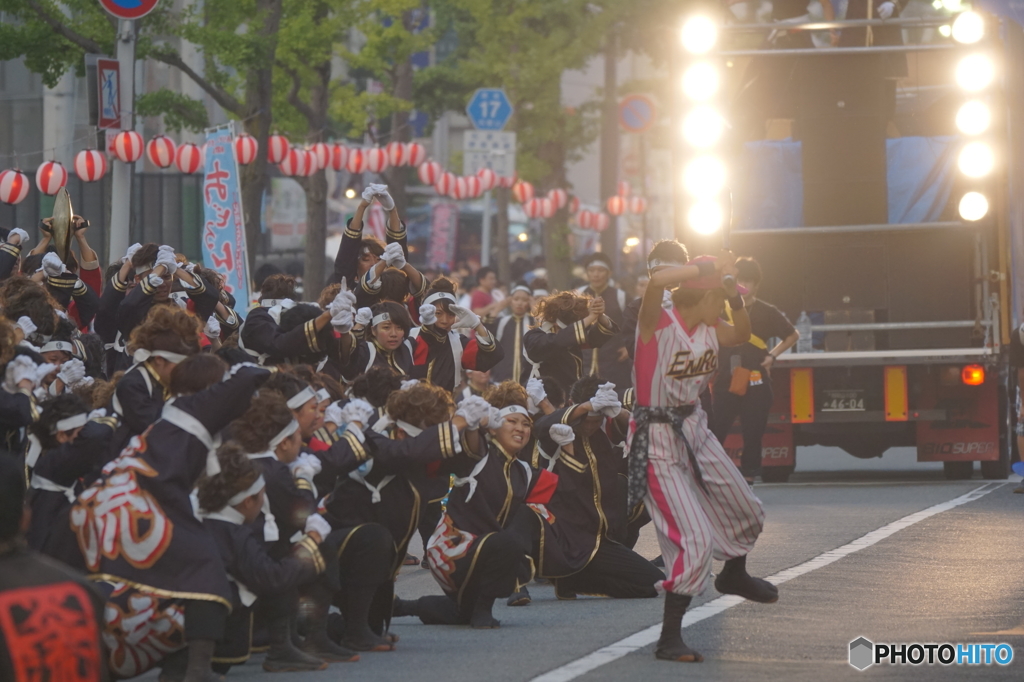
(676, 364)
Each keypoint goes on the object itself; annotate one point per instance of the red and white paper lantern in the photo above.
(637, 205)
(585, 219)
(415, 154)
(624, 189)
(356, 162)
(461, 189)
(339, 157)
(278, 147)
(376, 160)
(396, 153)
(295, 163)
(539, 207)
(13, 186)
(429, 173)
(559, 197)
(445, 184)
(522, 191)
(474, 188)
(90, 165)
(616, 205)
(601, 222)
(488, 179)
(321, 154)
(508, 181)
(161, 150)
(574, 205)
(312, 162)
(189, 158)
(246, 148)
(128, 146)
(51, 176)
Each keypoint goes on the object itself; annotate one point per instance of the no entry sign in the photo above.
(129, 9)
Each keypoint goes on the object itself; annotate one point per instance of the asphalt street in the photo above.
(885, 549)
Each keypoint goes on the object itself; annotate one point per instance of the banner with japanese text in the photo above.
(224, 248)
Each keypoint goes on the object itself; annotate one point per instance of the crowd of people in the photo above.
(230, 483)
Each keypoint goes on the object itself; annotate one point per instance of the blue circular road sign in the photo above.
(636, 113)
(129, 9)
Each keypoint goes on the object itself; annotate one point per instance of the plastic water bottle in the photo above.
(803, 325)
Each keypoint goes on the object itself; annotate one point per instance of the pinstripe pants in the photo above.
(695, 526)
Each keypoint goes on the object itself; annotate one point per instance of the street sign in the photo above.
(636, 113)
(129, 9)
(489, 109)
(108, 90)
(485, 149)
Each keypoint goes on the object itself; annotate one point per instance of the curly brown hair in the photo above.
(278, 286)
(376, 385)
(20, 296)
(328, 294)
(566, 306)
(237, 473)
(103, 391)
(506, 393)
(7, 342)
(195, 373)
(423, 405)
(267, 416)
(169, 328)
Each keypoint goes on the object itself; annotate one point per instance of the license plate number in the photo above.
(843, 401)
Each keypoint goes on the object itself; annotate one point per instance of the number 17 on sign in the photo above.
(489, 109)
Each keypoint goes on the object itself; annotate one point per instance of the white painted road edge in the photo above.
(612, 652)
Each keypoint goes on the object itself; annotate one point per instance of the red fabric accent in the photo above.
(190, 306)
(470, 352)
(433, 468)
(480, 299)
(73, 314)
(317, 445)
(92, 278)
(420, 351)
(204, 341)
(544, 489)
(414, 311)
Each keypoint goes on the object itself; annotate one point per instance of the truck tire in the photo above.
(999, 470)
(776, 474)
(958, 471)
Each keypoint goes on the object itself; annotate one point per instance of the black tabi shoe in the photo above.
(671, 646)
(734, 579)
(520, 597)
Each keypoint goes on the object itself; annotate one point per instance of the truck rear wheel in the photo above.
(999, 470)
(958, 471)
(776, 474)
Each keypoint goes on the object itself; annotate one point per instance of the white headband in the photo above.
(513, 409)
(413, 431)
(600, 263)
(65, 346)
(257, 485)
(271, 302)
(301, 398)
(72, 422)
(285, 432)
(651, 264)
(322, 395)
(440, 296)
(540, 292)
(143, 269)
(141, 355)
(528, 291)
(377, 319)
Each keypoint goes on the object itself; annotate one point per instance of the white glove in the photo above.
(393, 256)
(307, 461)
(474, 410)
(409, 383)
(384, 198)
(19, 368)
(358, 411)
(368, 194)
(494, 418)
(26, 325)
(535, 394)
(428, 313)
(885, 10)
(364, 316)
(21, 234)
(43, 371)
(342, 320)
(131, 251)
(562, 434)
(465, 318)
(333, 415)
(72, 372)
(155, 280)
(53, 266)
(101, 412)
(605, 401)
(212, 328)
(345, 295)
(167, 260)
(317, 524)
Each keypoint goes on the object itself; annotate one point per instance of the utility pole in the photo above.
(610, 137)
(121, 173)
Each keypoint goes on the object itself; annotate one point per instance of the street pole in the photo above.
(121, 173)
(610, 139)
(485, 234)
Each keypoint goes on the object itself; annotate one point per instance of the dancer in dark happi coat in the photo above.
(509, 330)
(383, 343)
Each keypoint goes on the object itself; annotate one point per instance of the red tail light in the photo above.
(973, 375)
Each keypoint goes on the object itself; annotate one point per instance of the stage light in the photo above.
(973, 206)
(703, 127)
(523, 237)
(945, 31)
(699, 35)
(975, 72)
(968, 28)
(632, 241)
(973, 118)
(704, 176)
(976, 160)
(705, 217)
(701, 81)
(350, 193)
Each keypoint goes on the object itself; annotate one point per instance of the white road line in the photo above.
(581, 666)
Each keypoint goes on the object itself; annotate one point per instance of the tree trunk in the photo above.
(501, 197)
(400, 132)
(313, 275)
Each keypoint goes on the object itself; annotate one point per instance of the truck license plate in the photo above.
(843, 401)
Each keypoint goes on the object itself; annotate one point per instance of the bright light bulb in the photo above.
(523, 237)
(968, 28)
(703, 127)
(632, 241)
(705, 217)
(952, 5)
(976, 160)
(699, 35)
(973, 118)
(975, 72)
(704, 176)
(945, 31)
(973, 206)
(350, 193)
(700, 82)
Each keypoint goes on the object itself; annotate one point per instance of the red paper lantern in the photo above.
(161, 150)
(559, 197)
(624, 188)
(574, 205)
(246, 148)
(295, 163)
(395, 152)
(415, 154)
(532, 208)
(356, 162)
(429, 172)
(637, 205)
(585, 219)
(189, 158)
(278, 147)
(445, 184)
(474, 188)
(522, 191)
(461, 189)
(128, 146)
(321, 154)
(13, 187)
(376, 160)
(339, 157)
(51, 176)
(488, 179)
(90, 165)
(509, 181)
(601, 222)
(616, 205)
(312, 162)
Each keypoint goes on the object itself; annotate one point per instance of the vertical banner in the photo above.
(443, 233)
(224, 248)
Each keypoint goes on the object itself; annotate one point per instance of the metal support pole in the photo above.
(485, 232)
(121, 173)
